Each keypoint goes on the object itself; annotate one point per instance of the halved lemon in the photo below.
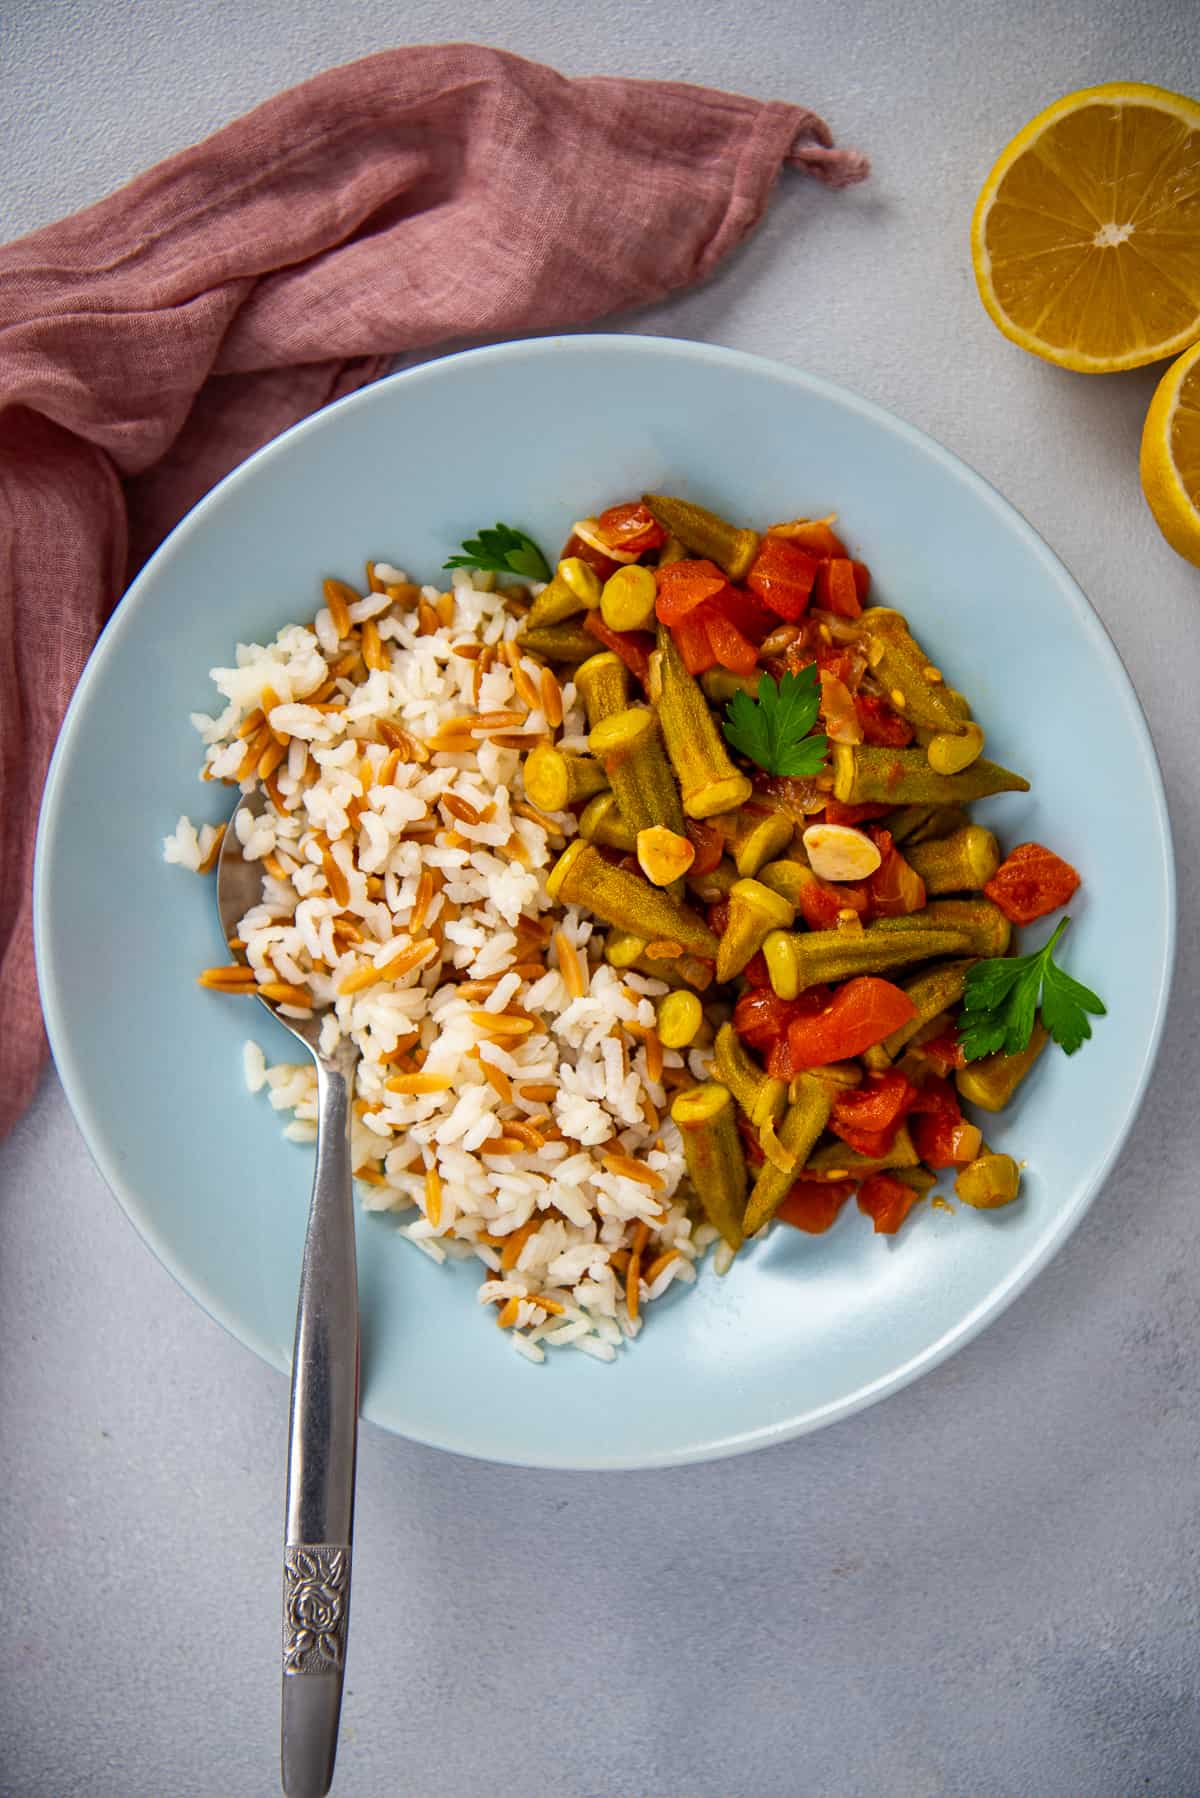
(1170, 459)
(1086, 237)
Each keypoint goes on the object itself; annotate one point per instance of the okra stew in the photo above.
(773, 808)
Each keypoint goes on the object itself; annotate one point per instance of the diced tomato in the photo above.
(941, 1143)
(602, 565)
(868, 1117)
(813, 1205)
(814, 535)
(633, 647)
(862, 581)
(1030, 882)
(937, 1098)
(693, 642)
(941, 1135)
(779, 1060)
(755, 972)
(732, 650)
(709, 844)
(682, 586)
(836, 589)
(875, 1143)
(878, 1104)
(782, 576)
(752, 618)
(895, 888)
(944, 1052)
(860, 1014)
(881, 726)
(630, 528)
(820, 901)
(887, 1200)
(761, 1017)
(843, 664)
(718, 916)
(837, 813)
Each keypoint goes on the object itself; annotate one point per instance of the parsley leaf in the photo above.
(503, 551)
(773, 729)
(1065, 1004)
(1001, 1001)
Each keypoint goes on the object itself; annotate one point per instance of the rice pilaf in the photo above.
(511, 1088)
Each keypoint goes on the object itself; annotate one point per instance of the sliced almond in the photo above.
(839, 852)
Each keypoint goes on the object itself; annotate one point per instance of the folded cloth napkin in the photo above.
(150, 343)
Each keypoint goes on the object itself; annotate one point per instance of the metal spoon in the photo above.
(323, 1432)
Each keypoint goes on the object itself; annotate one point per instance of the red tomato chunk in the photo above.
(941, 1135)
(782, 575)
(813, 1205)
(1031, 882)
(630, 528)
(869, 1116)
(860, 1014)
(887, 1200)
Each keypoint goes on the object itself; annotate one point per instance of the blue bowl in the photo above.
(804, 1329)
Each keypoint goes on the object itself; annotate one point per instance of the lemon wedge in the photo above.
(1170, 458)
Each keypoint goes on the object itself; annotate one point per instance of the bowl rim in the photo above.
(124, 618)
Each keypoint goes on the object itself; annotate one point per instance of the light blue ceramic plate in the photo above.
(805, 1329)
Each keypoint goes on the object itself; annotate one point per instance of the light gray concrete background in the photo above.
(987, 1585)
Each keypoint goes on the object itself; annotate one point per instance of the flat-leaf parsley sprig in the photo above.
(773, 728)
(503, 550)
(1001, 1002)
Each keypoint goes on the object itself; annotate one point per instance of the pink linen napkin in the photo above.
(150, 343)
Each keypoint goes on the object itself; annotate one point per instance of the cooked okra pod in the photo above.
(917, 1179)
(959, 863)
(566, 642)
(601, 822)
(558, 778)
(754, 911)
(603, 684)
(678, 1020)
(720, 684)
(709, 781)
(932, 991)
(706, 1120)
(574, 588)
(985, 929)
(715, 885)
(800, 959)
(622, 949)
(756, 837)
(759, 1095)
(629, 747)
(865, 775)
(705, 534)
(842, 1074)
(583, 876)
(924, 823)
(991, 1082)
(918, 692)
(836, 1160)
(802, 1124)
(628, 597)
(989, 1181)
(788, 877)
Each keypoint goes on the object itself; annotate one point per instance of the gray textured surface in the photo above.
(988, 1585)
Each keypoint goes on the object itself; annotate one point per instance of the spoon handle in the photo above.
(323, 1438)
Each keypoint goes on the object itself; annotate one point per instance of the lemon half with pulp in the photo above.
(1086, 236)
